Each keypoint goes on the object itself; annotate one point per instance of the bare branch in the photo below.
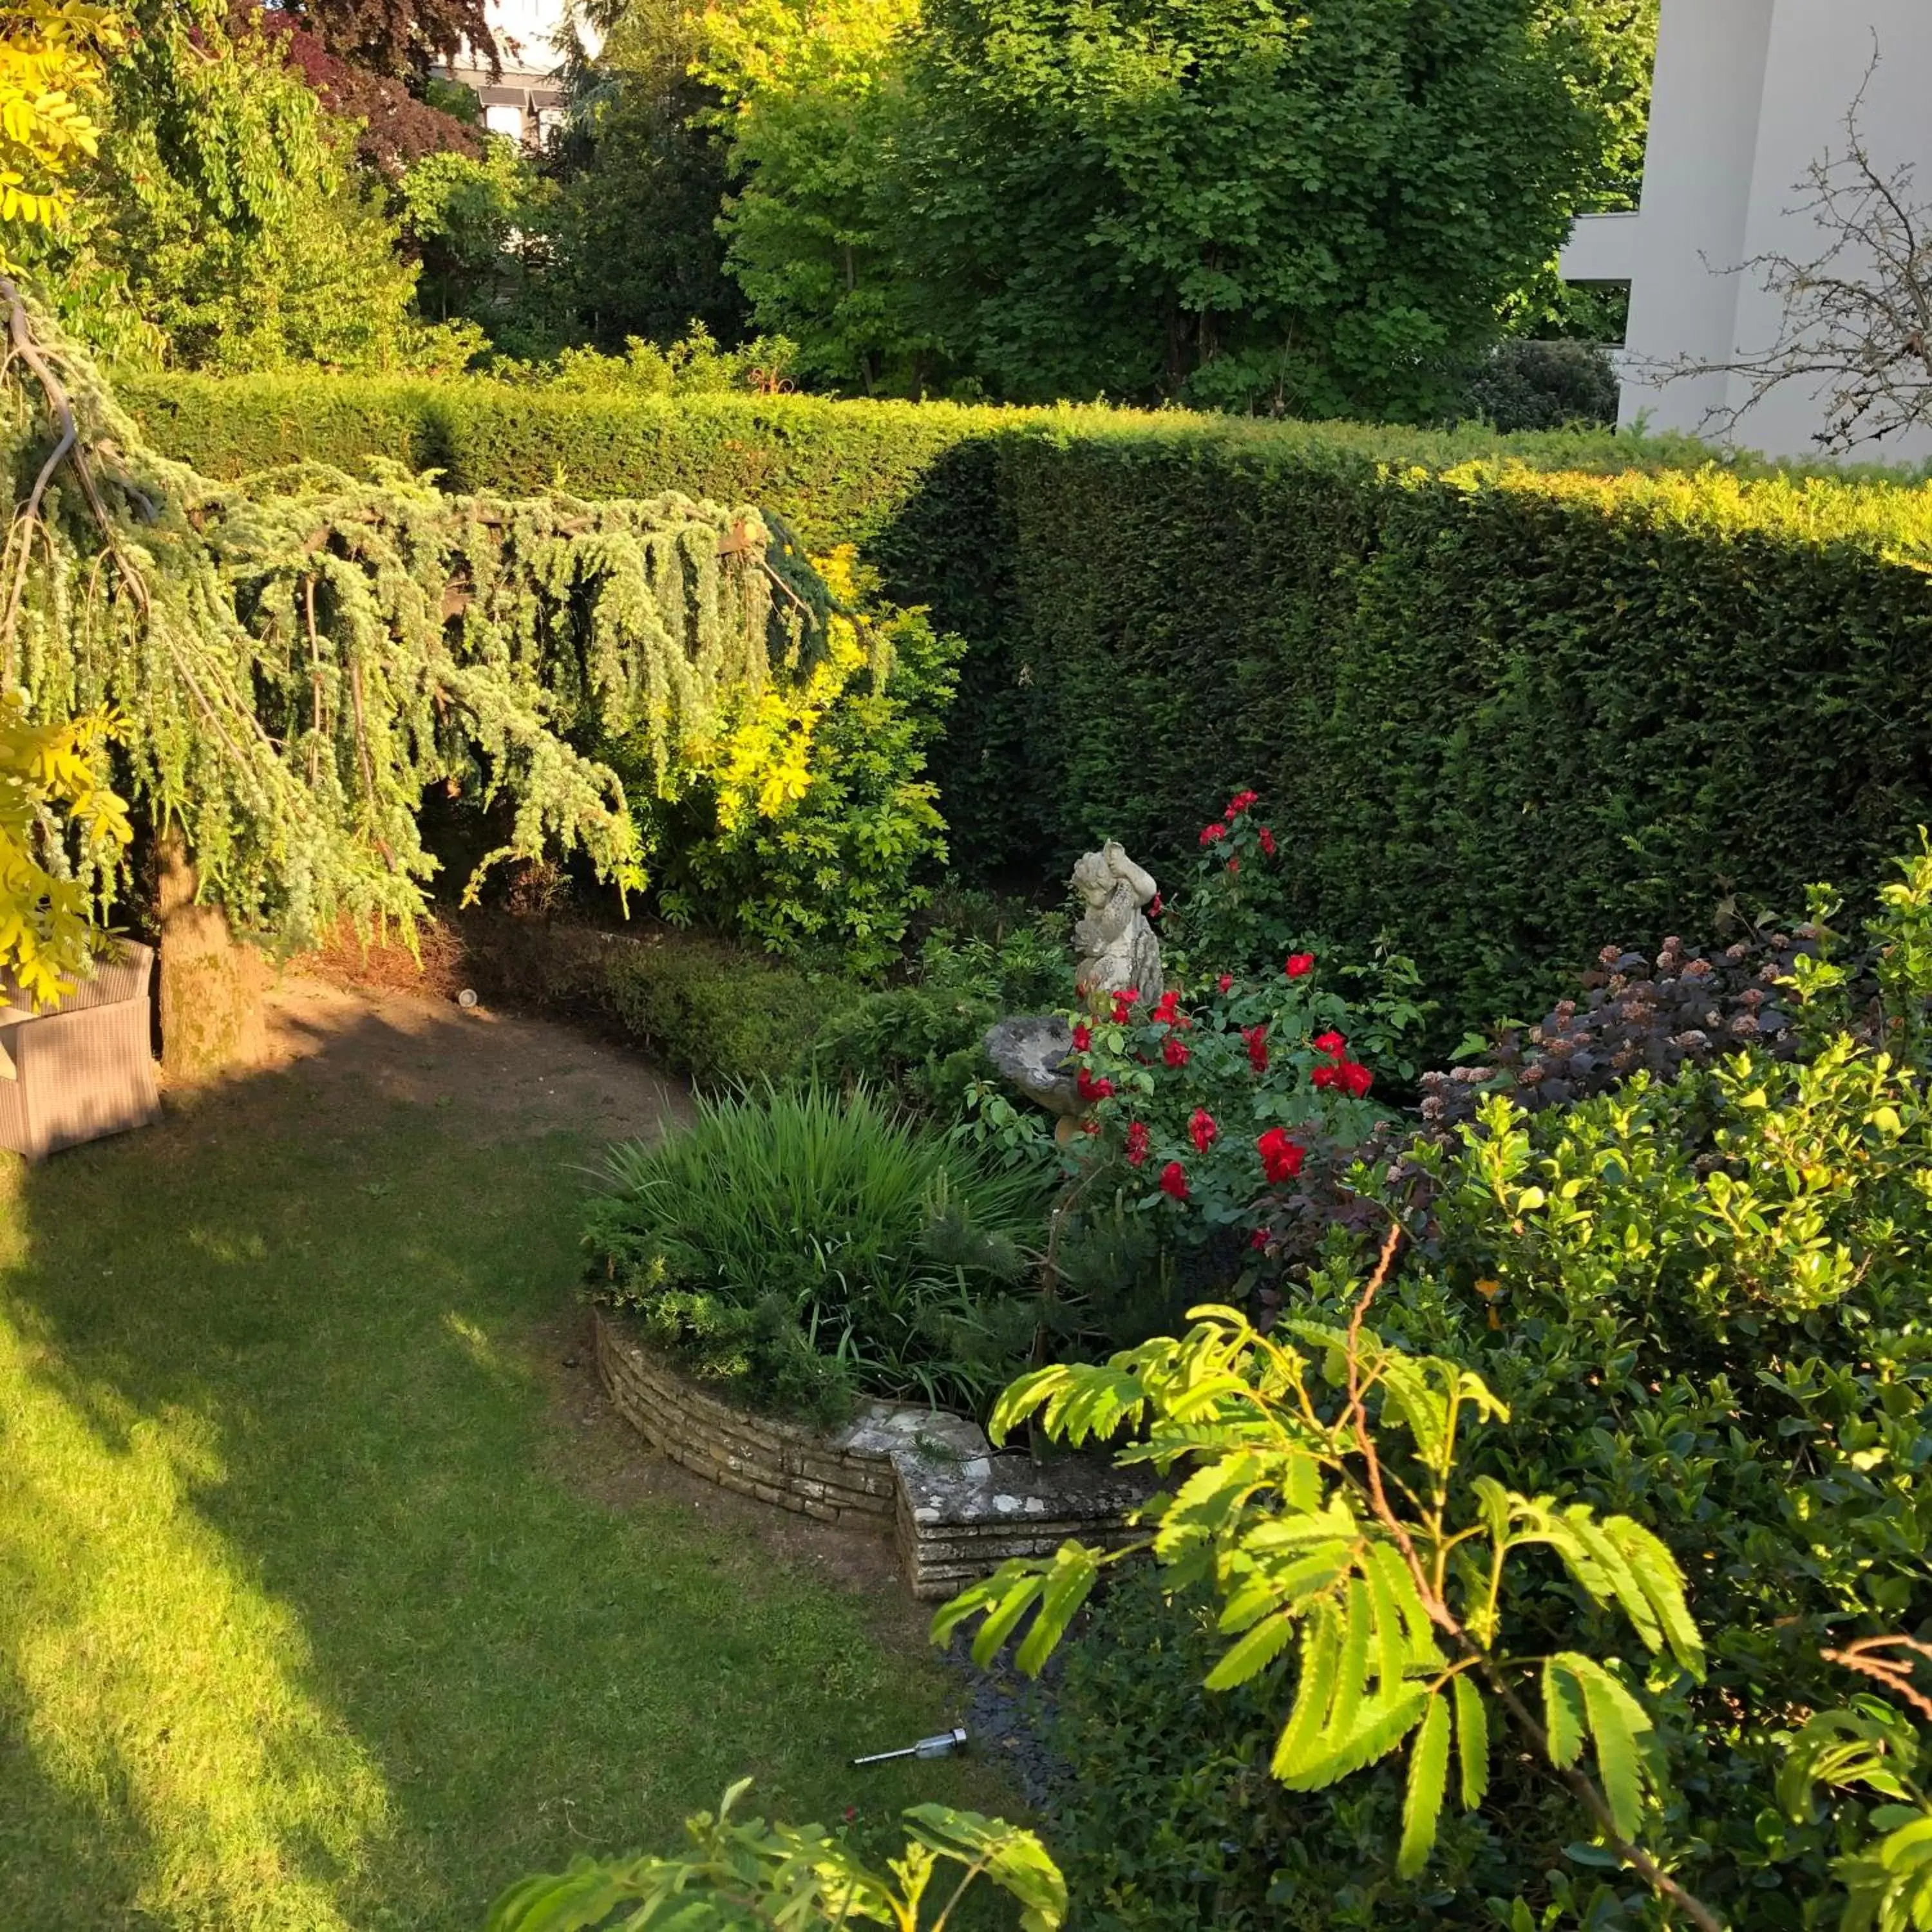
(1855, 318)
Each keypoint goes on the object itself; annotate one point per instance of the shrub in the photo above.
(839, 866)
(701, 1005)
(924, 1041)
(1539, 385)
(803, 1246)
(1703, 1299)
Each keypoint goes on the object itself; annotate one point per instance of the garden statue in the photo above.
(1115, 951)
(1114, 946)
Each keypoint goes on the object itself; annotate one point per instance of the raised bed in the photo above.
(956, 1509)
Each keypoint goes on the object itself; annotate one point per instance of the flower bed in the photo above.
(957, 1510)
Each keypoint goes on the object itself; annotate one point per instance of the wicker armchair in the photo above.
(82, 1068)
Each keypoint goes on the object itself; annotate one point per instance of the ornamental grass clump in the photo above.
(804, 1247)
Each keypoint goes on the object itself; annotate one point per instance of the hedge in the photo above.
(1506, 700)
(725, 1017)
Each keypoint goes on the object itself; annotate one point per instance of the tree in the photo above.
(1238, 202)
(815, 100)
(1243, 202)
(399, 38)
(63, 830)
(224, 222)
(397, 128)
(643, 167)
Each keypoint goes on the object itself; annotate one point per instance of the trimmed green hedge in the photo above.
(724, 1016)
(1504, 704)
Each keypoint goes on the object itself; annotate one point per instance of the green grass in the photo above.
(301, 1626)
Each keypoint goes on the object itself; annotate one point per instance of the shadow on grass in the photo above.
(297, 1626)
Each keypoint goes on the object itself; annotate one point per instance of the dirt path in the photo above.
(504, 1075)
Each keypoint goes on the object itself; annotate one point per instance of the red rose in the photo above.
(1234, 864)
(1174, 1050)
(1167, 1010)
(1330, 1043)
(1174, 1181)
(1239, 803)
(1212, 835)
(1201, 1129)
(1153, 907)
(1325, 1076)
(1268, 842)
(1281, 1157)
(1256, 1040)
(1091, 1089)
(1355, 1077)
(1125, 1000)
(1226, 982)
(1083, 1036)
(1137, 1143)
(1259, 1239)
(1299, 965)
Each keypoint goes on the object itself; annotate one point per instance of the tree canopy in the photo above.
(1322, 209)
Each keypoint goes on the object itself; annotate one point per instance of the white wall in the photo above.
(1748, 93)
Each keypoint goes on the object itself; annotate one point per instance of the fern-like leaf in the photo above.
(1564, 1716)
(1422, 1801)
(1472, 1741)
(1321, 1650)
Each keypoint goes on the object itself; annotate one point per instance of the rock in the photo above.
(1031, 1053)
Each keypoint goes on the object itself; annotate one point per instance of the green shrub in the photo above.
(1535, 385)
(803, 1246)
(1500, 701)
(702, 1007)
(840, 870)
(1167, 1815)
(924, 1041)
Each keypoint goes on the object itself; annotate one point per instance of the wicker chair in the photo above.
(83, 1067)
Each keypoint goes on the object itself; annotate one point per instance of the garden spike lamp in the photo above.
(943, 1744)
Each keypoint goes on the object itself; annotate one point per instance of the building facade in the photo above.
(524, 100)
(1749, 94)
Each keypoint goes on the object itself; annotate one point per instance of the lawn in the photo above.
(304, 1622)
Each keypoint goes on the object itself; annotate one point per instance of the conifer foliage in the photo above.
(299, 656)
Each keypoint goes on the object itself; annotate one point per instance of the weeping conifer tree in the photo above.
(296, 658)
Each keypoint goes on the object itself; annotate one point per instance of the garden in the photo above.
(1277, 1024)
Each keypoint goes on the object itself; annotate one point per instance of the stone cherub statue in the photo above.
(1115, 948)
(1113, 945)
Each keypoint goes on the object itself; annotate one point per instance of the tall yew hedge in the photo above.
(1505, 701)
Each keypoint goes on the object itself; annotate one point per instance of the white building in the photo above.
(525, 100)
(1749, 94)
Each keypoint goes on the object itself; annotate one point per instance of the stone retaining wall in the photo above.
(957, 1510)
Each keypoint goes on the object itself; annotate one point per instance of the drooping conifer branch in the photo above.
(301, 654)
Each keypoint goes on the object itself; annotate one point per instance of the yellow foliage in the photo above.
(51, 53)
(51, 790)
(758, 757)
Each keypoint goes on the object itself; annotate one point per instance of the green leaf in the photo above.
(1472, 1740)
(1379, 1726)
(1658, 1576)
(1321, 1650)
(1004, 1609)
(1069, 1583)
(1357, 1619)
(1255, 1652)
(1013, 1859)
(1391, 1646)
(1563, 1713)
(1422, 1801)
(1616, 1721)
